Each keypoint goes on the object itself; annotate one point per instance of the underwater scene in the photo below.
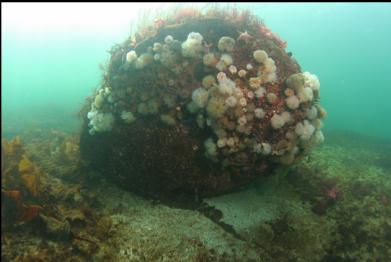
(196, 132)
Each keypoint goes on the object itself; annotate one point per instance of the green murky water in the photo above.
(50, 61)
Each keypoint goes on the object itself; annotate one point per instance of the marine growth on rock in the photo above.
(222, 81)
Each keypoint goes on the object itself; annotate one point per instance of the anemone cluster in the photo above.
(233, 89)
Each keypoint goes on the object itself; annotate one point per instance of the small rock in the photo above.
(56, 228)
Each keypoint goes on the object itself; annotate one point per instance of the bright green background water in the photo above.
(50, 58)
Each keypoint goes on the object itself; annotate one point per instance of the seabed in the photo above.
(333, 206)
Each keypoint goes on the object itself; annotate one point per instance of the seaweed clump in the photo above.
(20, 181)
(41, 215)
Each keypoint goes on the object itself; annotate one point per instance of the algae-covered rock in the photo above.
(56, 228)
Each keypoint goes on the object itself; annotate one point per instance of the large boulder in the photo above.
(199, 104)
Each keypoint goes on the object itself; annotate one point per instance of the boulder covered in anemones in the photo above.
(193, 107)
